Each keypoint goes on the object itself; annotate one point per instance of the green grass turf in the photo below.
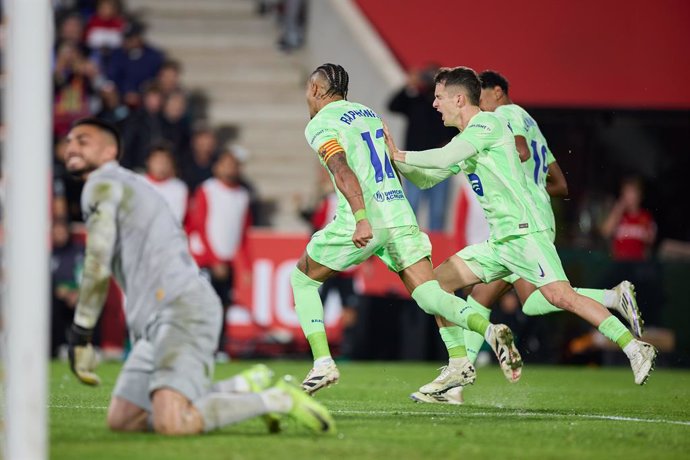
(550, 413)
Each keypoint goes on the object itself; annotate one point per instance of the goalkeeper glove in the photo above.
(82, 356)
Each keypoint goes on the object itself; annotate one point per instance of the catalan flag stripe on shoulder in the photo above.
(330, 148)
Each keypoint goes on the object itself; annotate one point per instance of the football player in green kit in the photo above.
(521, 232)
(540, 167)
(373, 218)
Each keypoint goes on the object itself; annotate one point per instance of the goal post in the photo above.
(27, 177)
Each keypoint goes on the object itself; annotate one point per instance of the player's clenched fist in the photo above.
(82, 356)
(362, 234)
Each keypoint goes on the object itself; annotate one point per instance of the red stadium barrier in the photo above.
(263, 319)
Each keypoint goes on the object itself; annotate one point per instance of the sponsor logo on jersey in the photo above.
(390, 195)
(479, 126)
(476, 184)
(313, 138)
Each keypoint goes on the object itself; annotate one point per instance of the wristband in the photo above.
(79, 336)
(360, 214)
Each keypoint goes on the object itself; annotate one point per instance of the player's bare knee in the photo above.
(168, 424)
(116, 422)
(553, 295)
(169, 421)
(125, 416)
(173, 414)
(560, 295)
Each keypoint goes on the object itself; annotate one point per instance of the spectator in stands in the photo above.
(112, 109)
(425, 130)
(168, 77)
(74, 81)
(217, 225)
(255, 205)
(66, 264)
(199, 162)
(59, 206)
(175, 124)
(84, 7)
(133, 64)
(169, 81)
(65, 183)
(293, 21)
(160, 173)
(632, 232)
(104, 31)
(71, 30)
(631, 228)
(143, 128)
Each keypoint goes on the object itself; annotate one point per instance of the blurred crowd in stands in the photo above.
(104, 65)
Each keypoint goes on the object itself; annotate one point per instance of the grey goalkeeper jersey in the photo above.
(133, 235)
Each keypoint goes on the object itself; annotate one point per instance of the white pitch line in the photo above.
(616, 418)
(59, 406)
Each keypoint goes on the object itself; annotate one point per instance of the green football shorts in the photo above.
(511, 279)
(397, 247)
(532, 257)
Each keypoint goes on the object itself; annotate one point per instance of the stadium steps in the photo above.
(228, 51)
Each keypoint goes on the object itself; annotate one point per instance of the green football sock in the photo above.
(536, 304)
(310, 312)
(319, 345)
(435, 301)
(474, 341)
(615, 331)
(454, 339)
(477, 323)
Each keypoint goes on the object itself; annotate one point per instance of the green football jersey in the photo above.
(496, 177)
(537, 165)
(359, 131)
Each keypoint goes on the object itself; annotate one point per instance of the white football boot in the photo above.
(452, 396)
(500, 337)
(627, 307)
(320, 377)
(451, 377)
(642, 358)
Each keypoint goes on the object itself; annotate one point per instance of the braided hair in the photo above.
(337, 79)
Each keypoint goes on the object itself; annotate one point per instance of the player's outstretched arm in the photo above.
(425, 178)
(100, 203)
(556, 184)
(456, 151)
(346, 181)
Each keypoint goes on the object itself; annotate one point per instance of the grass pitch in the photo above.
(553, 412)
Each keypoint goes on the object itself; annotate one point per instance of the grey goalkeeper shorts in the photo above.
(176, 351)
